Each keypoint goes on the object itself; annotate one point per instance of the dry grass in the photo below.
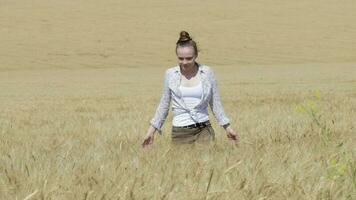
(79, 81)
(76, 134)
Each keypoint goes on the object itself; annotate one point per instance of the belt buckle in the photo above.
(204, 124)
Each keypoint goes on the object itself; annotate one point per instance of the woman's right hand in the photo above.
(148, 140)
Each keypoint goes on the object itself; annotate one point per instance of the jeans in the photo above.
(191, 135)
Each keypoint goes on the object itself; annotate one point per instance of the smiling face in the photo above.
(186, 56)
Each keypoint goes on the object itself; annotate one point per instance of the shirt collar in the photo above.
(201, 69)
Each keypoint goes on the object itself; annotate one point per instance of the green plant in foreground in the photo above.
(341, 169)
(311, 108)
(336, 169)
(341, 166)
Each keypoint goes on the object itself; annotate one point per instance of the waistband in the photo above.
(196, 125)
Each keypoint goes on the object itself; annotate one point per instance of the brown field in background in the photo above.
(80, 80)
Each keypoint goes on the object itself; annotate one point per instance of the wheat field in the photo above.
(80, 80)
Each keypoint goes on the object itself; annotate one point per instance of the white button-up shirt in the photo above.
(171, 92)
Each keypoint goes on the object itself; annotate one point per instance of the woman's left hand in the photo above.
(232, 135)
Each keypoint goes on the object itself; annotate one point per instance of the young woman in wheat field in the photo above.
(191, 87)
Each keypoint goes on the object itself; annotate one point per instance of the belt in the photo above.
(196, 125)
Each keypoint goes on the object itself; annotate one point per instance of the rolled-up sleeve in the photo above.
(163, 108)
(215, 102)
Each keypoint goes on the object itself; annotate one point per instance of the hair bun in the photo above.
(186, 41)
(184, 37)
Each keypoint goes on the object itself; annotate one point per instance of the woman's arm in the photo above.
(215, 102)
(163, 107)
(218, 111)
(160, 115)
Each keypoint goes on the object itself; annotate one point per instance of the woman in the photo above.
(191, 87)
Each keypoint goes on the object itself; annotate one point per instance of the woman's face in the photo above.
(186, 56)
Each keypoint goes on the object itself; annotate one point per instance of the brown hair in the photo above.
(185, 40)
